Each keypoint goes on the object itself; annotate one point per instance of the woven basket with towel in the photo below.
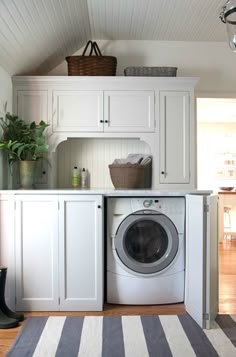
(131, 172)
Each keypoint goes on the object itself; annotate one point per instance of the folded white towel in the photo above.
(119, 162)
(140, 159)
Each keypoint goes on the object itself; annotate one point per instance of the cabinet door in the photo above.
(174, 137)
(201, 282)
(36, 253)
(81, 253)
(77, 111)
(7, 245)
(129, 111)
(33, 106)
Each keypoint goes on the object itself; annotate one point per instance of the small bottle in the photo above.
(84, 178)
(75, 177)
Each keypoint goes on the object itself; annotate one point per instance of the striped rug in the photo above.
(129, 336)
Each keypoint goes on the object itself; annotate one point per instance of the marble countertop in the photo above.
(107, 192)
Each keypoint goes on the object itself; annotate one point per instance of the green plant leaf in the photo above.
(22, 140)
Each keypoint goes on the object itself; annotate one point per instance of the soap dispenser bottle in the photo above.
(84, 178)
(75, 177)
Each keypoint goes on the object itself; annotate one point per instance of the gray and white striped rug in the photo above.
(129, 336)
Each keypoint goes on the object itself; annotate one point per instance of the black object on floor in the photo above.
(8, 318)
(7, 322)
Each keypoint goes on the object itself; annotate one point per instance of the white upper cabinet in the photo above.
(156, 110)
(77, 111)
(129, 111)
(95, 111)
(174, 137)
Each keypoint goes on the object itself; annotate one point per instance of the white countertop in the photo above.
(107, 192)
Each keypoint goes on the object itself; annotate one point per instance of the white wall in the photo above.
(212, 62)
(5, 96)
(214, 139)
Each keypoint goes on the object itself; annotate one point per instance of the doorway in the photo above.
(216, 157)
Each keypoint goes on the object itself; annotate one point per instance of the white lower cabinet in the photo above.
(80, 253)
(37, 253)
(59, 253)
(52, 245)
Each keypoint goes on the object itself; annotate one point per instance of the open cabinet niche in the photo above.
(94, 154)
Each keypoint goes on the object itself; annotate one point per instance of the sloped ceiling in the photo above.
(37, 35)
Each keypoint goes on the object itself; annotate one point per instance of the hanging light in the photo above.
(228, 16)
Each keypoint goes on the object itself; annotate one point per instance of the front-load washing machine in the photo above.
(145, 250)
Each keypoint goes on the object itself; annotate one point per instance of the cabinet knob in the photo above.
(99, 206)
(44, 172)
(163, 172)
(101, 121)
(106, 121)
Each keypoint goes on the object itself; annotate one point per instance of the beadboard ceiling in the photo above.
(36, 35)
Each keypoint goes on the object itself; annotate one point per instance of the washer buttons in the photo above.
(147, 203)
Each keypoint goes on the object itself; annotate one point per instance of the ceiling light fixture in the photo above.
(228, 16)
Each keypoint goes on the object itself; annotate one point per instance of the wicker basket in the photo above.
(97, 65)
(151, 71)
(125, 176)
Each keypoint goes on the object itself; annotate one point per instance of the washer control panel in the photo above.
(161, 204)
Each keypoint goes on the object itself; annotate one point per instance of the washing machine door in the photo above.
(146, 242)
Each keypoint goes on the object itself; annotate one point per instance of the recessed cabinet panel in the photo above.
(33, 105)
(129, 111)
(174, 138)
(77, 111)
(36, 253)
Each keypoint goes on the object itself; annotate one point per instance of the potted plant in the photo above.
(24, 143)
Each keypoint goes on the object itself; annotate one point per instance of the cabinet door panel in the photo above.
(77, 111)
(174, 137)
(37, 253)
(201, 284)
(33, 105)
(129, 111)
(81, 254)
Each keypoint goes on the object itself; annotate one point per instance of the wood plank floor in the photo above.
(227, 277)
(227, 299)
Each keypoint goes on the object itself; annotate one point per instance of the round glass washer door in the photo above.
(146, 242)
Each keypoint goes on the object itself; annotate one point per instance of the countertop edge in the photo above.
(106, 192)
